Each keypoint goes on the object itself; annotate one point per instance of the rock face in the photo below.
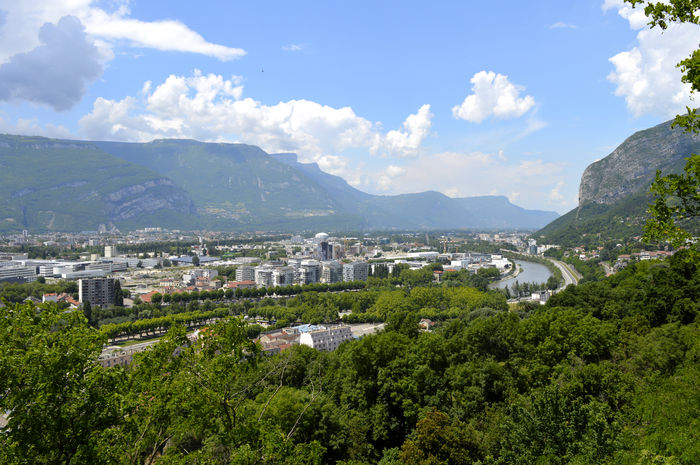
(73, 185)
(147, 198)
(63, 185)
(631, 167)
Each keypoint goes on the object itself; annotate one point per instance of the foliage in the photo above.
(605, 372)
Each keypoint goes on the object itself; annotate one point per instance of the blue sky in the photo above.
(467, 98)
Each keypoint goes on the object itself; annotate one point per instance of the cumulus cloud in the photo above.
(646, 75)
(493, 95)
(25, 18)
(50, 51)
(209, 107)
(55, 73)
(406, 142)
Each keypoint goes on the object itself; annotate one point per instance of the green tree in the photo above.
(118, 294)
(59, 399)
(195, 260)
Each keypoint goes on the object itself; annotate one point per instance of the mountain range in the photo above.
(614, 192)
(68, 185)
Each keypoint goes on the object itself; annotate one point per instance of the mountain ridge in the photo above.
(189, 184)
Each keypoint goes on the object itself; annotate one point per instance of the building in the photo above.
(283, 276)
(309, 272)
(263, 276)
(97, 291)
(326, 338)
(245, 273)
(111, 251)
(355, 271)
(331, 272)
(20, 273)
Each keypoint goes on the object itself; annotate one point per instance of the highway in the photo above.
(570, 275)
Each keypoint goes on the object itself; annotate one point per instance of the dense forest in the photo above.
(606, 372)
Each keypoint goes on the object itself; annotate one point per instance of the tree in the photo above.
(118, 294)
(59, 399)
(195, 260)
(676, 201)
(677, 196)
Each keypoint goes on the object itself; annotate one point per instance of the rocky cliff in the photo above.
(631, 167)
(73, 185)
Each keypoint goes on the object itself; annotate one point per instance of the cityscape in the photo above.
(349, 233)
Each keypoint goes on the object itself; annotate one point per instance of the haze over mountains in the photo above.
(66, 185)
(614, 192)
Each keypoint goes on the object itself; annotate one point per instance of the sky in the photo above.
(466, 98)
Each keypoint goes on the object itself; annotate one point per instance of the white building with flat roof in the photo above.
(326, 339)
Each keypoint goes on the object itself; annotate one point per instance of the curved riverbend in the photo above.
(531, 273)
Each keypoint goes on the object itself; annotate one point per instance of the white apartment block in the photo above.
(331, 272)
(355, 271)
(245, 273)
(263, 276)
(111, 251)
(283, 276)
(309, 272)
(327, 338)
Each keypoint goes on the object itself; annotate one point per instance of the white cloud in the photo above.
(530, 182)
(293, 48)
(556, 195)
(393, 170)
(25, 18)
(209, 107)
(49, 47)
(165, 35)
(32, 126)
(55, 73)
(493, 95)
(562, 25)
(406, 142)
(646, 75)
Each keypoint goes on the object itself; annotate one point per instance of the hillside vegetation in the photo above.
(605, 373)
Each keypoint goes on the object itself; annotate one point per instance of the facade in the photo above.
(111, 251)
(355, 271)
(326, 338)
(263, 276)
(331, 272)
(309, 272)
(245, 273)
(283, 276)
(18, 273)
(97, 291)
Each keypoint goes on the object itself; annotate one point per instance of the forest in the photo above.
(605, 372)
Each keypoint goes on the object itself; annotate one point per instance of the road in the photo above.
(570, 275)
(608, 269)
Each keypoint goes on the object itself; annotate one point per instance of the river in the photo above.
(531, 273)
